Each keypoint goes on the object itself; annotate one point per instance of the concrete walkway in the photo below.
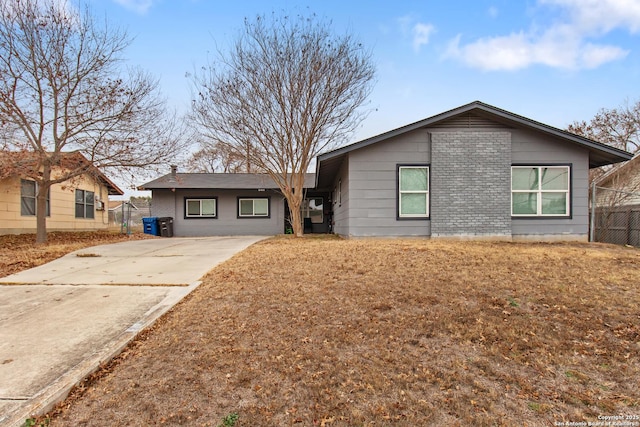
(60, 321)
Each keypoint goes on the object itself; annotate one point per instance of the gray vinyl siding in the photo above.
(168, 203)
(532, 148)
(341, 201)
(471, 165)
(163, 203)
(373, 186)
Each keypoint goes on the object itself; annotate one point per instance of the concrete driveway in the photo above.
(60, 321)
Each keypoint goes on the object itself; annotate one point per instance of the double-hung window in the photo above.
(200, 207)
(413, 191)
(540, 191)
(85, 204)
(253, 207)
(28, 197)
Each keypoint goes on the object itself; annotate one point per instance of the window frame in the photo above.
(399, 192)
(84, 204)
(253, 216)
(540, 191)
(34, 198)
(200, 199)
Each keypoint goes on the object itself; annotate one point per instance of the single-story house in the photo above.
(474, 171)
(209, 204)
(74, 205)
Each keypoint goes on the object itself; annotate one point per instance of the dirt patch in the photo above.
(385, 332)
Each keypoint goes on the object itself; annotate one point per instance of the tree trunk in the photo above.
(296, 220)
(294, 199)
(41, 205)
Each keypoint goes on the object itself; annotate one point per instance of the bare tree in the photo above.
(617, 185)
(217, 158)
(618, 127)
(287, 90)
(62, 89)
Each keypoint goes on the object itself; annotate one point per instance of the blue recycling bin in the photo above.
(150, 225)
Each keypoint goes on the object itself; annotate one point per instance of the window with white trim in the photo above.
(253, 207)
(540, 190)
(28, 198)
(413, 191)
(85, 204)
(200, 208)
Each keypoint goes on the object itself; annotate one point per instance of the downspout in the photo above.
(105, 205)
(173, 178)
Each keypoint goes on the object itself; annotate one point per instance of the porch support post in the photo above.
(592, 223)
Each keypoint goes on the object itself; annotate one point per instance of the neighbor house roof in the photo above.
(28, 161)
(221, 181)
(599, 154)
(115, 205)
(627, 170)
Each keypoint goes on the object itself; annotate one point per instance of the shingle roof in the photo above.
(236, 181)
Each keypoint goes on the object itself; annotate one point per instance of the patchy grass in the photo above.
(20, 252)
(385, 332)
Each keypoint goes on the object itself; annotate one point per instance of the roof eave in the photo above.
(168, 182)
(614, 155)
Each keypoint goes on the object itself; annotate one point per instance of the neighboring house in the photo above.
(75, 205)
(474, 171)
(620, 186)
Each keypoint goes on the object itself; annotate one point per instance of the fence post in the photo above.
(592, 225)
(628, 231)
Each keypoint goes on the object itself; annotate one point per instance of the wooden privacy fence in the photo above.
(619, 225)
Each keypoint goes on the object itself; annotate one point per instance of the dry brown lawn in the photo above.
(331, 332)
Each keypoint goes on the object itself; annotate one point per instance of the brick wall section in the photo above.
(470, 183)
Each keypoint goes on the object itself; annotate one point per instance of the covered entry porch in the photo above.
(315, 212)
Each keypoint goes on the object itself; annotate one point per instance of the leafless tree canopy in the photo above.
(618, 127)
(287, 90)
(63, 89)
(217, 158)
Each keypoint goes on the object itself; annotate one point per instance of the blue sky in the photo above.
(554, 61)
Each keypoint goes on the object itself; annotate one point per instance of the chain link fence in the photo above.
(128, 216)
(617, 216)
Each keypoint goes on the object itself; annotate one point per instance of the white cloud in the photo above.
(519, 50)
(564, 44)
(138, 6)
(421, 34)
(592, 56)
(405, 23)
(601, 16)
